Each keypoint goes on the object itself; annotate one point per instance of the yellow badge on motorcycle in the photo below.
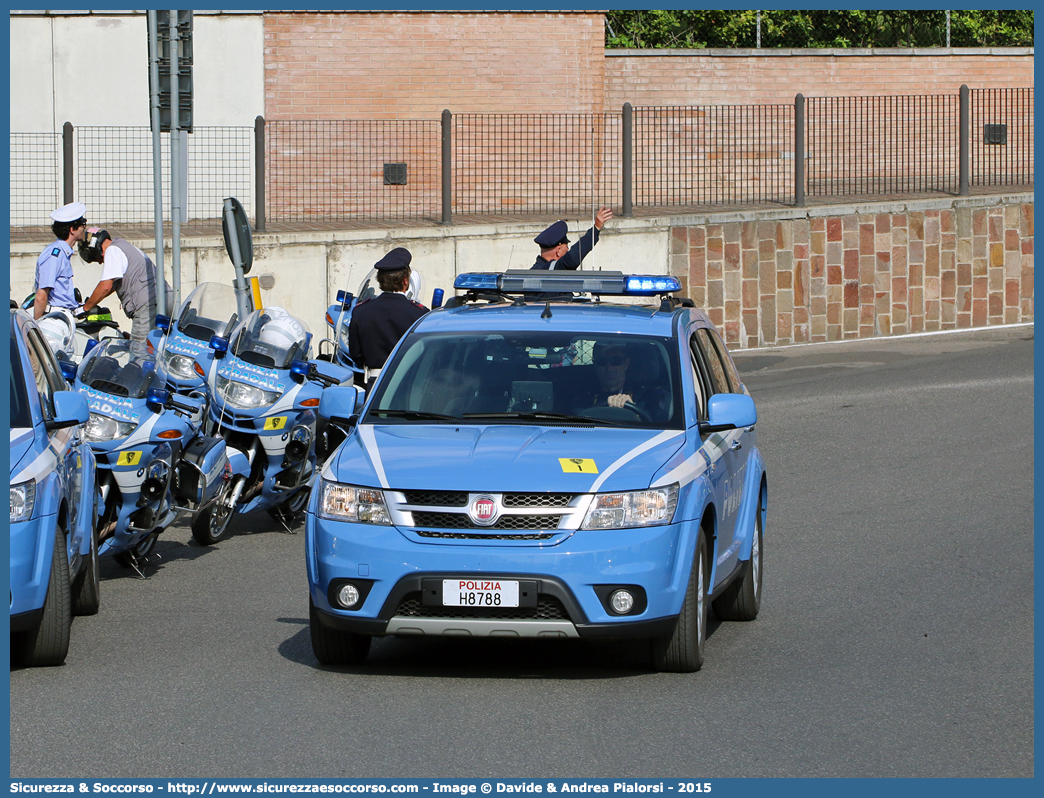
(128, 459)
(276, 422)
(578, 465)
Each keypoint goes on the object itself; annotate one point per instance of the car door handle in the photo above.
(735, 446)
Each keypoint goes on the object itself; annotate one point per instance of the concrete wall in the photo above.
(766, 278)
(832, 273)
(92, 69)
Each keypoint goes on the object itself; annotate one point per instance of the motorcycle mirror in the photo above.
(157, 396)
(68, 369)
(436, 298)
(163, 322)
(219, 344)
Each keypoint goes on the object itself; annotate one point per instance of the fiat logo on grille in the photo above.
(483, 510)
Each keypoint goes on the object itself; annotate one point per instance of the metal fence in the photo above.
(36, 176)
(652, 159)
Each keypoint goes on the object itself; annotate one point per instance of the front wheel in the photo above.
(143, 549)
(210, 525)
(682, 651)
(334, 646)
(48, 644)
(742, 599)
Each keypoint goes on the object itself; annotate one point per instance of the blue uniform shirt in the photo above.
(54, 272)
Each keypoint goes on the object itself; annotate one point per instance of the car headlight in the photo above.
(180, 366)
(348, 503)
(244, 396)
(103, 428)
(653, 507)
(23, 497)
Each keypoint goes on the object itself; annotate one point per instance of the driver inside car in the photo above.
(619, 385)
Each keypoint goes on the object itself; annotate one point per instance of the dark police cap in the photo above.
(398, 258)
(553, 236)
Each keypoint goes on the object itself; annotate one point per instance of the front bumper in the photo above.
(570, 579)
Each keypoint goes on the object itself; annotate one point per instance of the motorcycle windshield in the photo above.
(112, 370)
(370, 288)
(271, 338)
(209, 310)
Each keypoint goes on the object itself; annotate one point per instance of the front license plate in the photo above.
(479, 593)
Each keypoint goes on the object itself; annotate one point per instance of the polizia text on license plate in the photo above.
(479, 593)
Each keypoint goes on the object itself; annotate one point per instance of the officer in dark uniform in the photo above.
(555, 252)
(378, 323)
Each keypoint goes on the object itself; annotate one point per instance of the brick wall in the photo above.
(413, 65)
(688, 78)
(879, 270)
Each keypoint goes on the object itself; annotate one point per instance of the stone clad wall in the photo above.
(834, 273)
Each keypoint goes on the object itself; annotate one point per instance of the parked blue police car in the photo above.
(54, 545)
(533, 463)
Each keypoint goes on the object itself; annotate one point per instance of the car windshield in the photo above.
(20, 416)
(112, 370)
(271, 338)
(532, 377)
(209, 310)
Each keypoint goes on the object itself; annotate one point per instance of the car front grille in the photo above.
(476, 535)
(436, 520)
(436, 498)
(548, 608)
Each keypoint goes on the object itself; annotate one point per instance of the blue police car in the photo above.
(54, 544)
(552, 455)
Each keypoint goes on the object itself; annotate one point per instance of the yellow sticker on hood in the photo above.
(578, 465)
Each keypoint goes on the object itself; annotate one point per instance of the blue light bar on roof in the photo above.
(477, 282)
(651, 284)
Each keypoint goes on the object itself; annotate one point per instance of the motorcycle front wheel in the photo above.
(209, 526)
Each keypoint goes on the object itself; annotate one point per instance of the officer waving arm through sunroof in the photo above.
(555, 252)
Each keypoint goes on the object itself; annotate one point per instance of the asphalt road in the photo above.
(895, 637)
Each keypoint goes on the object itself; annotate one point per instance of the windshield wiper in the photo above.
(542, 415)
(414, 415)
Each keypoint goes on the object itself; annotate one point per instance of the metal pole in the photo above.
(947, 28)
(759, 30)
(799, 151)
(447, 167)
(175, 162)
(67, 162)
(243, 296)
(965, 139)
(157, 160)
(259, 174)
(628, 160)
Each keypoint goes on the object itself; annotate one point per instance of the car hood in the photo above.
(499, 458)
(21, 446)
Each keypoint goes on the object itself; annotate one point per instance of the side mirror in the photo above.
(339, 404)
(219, 345)
(163, 322)
(727, 411)
(70, 408)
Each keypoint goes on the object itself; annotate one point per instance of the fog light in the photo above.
(348, 596)
(621, 602)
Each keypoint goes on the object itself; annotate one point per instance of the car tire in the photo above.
(682, 651)
(742, 599)
(334, 646)
(210, 525)
(87, 589)
(48, 644)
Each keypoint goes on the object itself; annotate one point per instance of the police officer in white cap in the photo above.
(54, 275)
(377, 324)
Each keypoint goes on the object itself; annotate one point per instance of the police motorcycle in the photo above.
(71, 338)
(265, 393)
(181, 341)
(153, 465)
(339, 315)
